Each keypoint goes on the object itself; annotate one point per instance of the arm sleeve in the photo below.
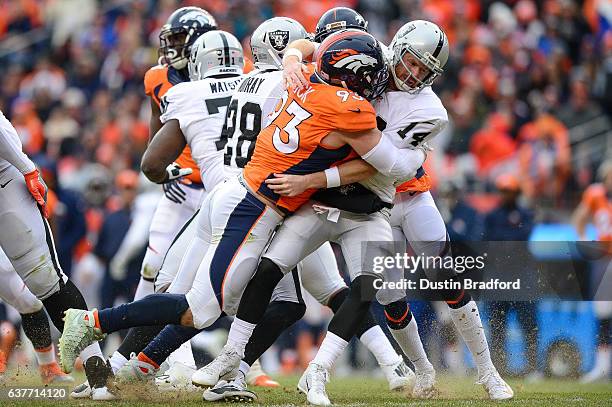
(398, 163)
(10, 147)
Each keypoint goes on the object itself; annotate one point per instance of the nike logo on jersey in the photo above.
(357, 110)
(5, 184)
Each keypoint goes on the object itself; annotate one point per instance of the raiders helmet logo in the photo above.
(278, 39)
(351, 59)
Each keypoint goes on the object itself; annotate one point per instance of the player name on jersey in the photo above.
(251, 85)
(219, 87)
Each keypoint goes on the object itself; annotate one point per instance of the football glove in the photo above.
(175, 171)
(38, 190)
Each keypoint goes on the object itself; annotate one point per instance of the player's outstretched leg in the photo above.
(83, 328)
(403, 327)
(466, 318)
(399, 376)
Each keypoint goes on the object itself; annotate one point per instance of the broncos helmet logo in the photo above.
(196, 16)
(351, 59)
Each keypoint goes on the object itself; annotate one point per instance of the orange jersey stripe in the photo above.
(293, 143)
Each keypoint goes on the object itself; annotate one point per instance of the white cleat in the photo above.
(82, 391)
(312, 383)
(424, 384)
(176, 378)
(79, 332)
(102, 394)
(135, 371)
(235, 391)
(225, 366)
(399, 376)
(495, 386)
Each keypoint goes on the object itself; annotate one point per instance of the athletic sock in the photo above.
(36, 327)
(92, 350)
(117, 360)
(468, 323)
(244, 368)
(409, 340)
(239, 334)
(375, 340)
(45, 356)
(330, 350)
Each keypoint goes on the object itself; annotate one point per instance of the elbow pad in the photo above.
(400, 164)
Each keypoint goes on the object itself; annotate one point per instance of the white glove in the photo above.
(175, 171)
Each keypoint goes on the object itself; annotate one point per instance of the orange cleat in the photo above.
(52, 373)
(265, 381)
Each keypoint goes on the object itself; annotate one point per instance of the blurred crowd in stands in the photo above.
(528, 88)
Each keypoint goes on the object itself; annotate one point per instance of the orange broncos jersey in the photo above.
(599, 204)
(293, 142)
(157, 81)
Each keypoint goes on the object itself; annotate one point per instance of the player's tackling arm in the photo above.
(293, 68)
(346, 173)
(378, 151)
(166, 146)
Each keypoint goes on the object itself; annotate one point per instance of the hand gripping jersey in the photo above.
(157, 81)
(293, 142)
(200, 108)
(599, 204)
(410, 120)
(247, 115)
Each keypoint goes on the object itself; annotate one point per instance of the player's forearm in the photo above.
(305, 47)
(346, 173)
(165, 147)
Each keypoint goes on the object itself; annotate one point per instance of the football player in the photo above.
(27, 241)
(596, 204)
(322, 277)
(241, 214)
(410, 114)
(33, 321)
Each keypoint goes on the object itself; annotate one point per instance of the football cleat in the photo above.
(234, 391)
(102, 394)
(135, 370)
(79, 332)
(399, 376)
(424, 384)
(495, 386)
(52, 373)
(176, 378)
(257, 377)
(224, 366)
(82, 391)
(312, 383)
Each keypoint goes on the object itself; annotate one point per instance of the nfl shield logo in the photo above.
(278, 39)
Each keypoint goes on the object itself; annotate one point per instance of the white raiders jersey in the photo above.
(408, 121)
(200, 109)
(249, 113)
(11, 153)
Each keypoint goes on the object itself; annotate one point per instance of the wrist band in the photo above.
(332, 176)
(293, 52)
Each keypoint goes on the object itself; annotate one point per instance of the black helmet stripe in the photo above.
(439, 46)
(226, 50)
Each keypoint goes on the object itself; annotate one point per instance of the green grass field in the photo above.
(359, 391)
